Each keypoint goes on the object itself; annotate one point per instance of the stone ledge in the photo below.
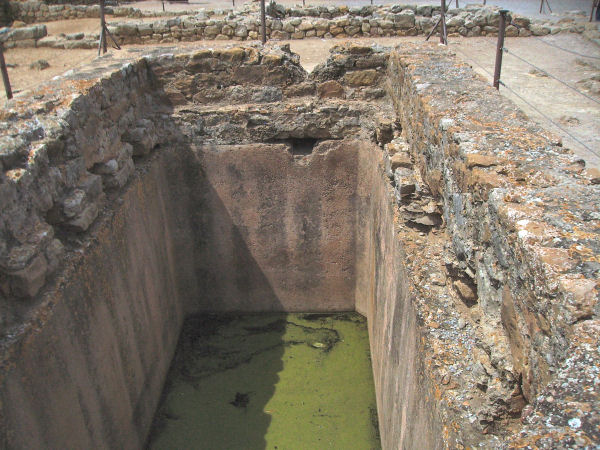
(522, 220)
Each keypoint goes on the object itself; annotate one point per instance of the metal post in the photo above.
(547, 5)
(443, 33)
(500, 48)
(163, 3)
(5, 73)
(303, 2)
(457, 3)
(263, 21)
(102, 43)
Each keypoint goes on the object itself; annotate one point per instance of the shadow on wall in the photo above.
(272, 234)
(275, 233)
(226, 365)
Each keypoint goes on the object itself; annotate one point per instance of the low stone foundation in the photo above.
(294, 23)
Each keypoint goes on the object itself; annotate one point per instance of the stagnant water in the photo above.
(275, 381)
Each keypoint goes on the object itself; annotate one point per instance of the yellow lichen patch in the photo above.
(555, 259)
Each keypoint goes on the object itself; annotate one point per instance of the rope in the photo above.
(551, 121)
(532, 106)
(566, 50)
(469, 57)
(551, 76)
(556, 46)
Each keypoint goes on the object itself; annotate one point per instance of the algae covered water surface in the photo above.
(274, 381)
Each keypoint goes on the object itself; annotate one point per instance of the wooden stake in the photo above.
(500, 48)
(263, 21)
(443, 32)
(5, 79)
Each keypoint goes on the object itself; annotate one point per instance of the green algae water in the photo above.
(269, 381)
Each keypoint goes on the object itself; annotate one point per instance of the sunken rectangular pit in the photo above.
(189, 184)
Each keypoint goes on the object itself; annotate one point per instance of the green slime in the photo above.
(274, 381)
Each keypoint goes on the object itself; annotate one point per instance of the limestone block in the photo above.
(456, 21)
(143, 137)
(279, 35)
(28, 281)
(27, 33)
(330, 89)
(511, 31)
(405, 19)
(288, 27)
(54, 253)
(83, 221)
(211, 31)
(74, 203)
(126, 29)
(404, 183)
(241, 31)
(352, 30)
(321, 24)
(306, 25)
(145, 29)
(401, 159)
(366, 77)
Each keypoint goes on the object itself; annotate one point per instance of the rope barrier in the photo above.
(530, 105)
(566, 50)
(554, 45)
(551, 76)
(551, 121)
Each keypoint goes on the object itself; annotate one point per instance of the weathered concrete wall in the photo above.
(277, 230)
(407, 411)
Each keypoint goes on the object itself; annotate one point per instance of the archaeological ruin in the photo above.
(393, 182)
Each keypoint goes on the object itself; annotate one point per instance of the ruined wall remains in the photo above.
(521, 213)
(294, 23)
(395, 182)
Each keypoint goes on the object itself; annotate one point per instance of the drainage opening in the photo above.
(298, 146)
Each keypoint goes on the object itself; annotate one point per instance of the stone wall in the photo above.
(395, 21)
(33, 11)
(296, 23)
(521, 214)
(465, 233)
(23, 37)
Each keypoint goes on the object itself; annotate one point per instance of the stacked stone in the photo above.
(515, 224)
(23, 37)
(384, 22)
(33, 11)
(248, 96)
(297, 23)
(59, 159)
